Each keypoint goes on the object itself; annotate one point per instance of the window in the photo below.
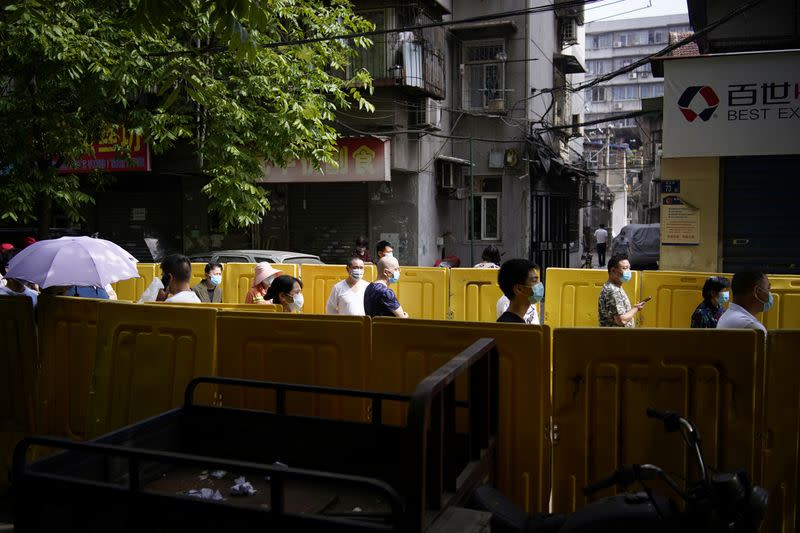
(656, 37)
(625, 92)
(599, 66)
(484, 74)
(596, 94)
(599, 41)
(375, 58)
(652, 90)
(486, 209)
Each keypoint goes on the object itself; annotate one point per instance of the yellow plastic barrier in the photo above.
(67, 338)
(329, 351)
(198, 273)
(318, 281)
(132, 289)
(780, 452)
(423, 292)
(605, 378)
(570, 297)
(473, 294)
(146, 355)
(263, 308)
(19, 360)
(785, 313)
(675, 297)
(405, 351)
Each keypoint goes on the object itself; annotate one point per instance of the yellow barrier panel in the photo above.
(68, 339)
(405, 351)
(146, 355)
(675, 297)
(785, 313)
(319, 350)
(19, 360)
(198, 273)
(318, 281)
(132, 289)
(605, 378)
(423, 292)
(473, 294)
(780, 452)
(261, 308)
(570, 297)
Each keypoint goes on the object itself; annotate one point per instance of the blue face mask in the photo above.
(626, 276)
(769, 303)
(395, 277)
(538, 293)
(724, 297)
(216, 280)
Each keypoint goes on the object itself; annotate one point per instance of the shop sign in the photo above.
(106, 158)
(732, 105)
(359, 158)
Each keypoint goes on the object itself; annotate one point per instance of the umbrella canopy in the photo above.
(67, 261)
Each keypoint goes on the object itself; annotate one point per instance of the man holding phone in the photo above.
(614, 309)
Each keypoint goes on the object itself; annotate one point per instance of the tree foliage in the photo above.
(206, 72)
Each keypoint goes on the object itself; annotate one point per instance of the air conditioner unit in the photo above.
(617, 107)
(428, 114)
(617, 44)
(632, 75)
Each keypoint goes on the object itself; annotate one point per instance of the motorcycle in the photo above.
(716, 502)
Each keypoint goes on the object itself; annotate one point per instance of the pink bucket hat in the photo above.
(262, 272)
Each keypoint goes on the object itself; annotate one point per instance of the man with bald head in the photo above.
(379, 299)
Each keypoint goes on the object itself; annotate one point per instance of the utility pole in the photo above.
(471, 210)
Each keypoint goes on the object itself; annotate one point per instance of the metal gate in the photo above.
(550, 230)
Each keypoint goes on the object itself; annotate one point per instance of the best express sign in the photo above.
(731, 105)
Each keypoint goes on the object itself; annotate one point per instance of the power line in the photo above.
(435, 24)
(432, 134)
(612, 118)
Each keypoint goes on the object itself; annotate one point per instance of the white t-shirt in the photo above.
(601, 236)
(737, 317)
(347, 300)
(188, 297)
(531, 316)
(30, 293)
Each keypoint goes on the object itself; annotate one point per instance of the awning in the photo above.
(568, 64)
(454, 160)
(483, 30)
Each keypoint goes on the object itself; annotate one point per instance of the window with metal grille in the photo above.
(484, 74)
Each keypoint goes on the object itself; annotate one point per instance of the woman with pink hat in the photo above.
(262, 279)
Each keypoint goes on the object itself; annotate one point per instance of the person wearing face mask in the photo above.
(715, 296)
(384, 248)
(379, 299)
(613, 306)
(751, 295)
(262, 278)
(178, 286)
(286, 291)
(347, 296)
(209, 290)
(519, 281)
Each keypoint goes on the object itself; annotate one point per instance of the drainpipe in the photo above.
(471, 205)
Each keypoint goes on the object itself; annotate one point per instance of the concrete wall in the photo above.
(393, 210)
(700, 186)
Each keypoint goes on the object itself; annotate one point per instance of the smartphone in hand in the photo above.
(646, 300)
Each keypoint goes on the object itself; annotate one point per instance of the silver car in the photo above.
(255, 256)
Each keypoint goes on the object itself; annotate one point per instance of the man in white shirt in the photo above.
(16, 287)
(601, 238)
(347, 296)
(751, 295)
(179, 277)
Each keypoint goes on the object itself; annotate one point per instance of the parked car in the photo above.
(255, 256)
(640, 242)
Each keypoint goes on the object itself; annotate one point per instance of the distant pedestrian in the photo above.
(379, 299)
(362, 250)
(519, 281)
(15, 287)
(286, 291)
(751, 295)
(347, 296)
(601, 238)
(180, 276)
(209, 290)
(263, 276)
(715, 296)
(384, 248)
(613, 306)
(490, 258)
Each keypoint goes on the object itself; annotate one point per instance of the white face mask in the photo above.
(297, 302)
(357, 273)
(388, 254)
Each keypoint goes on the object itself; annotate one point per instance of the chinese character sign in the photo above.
(680, 224)
(732, 105)
(359, 158)
(108, 159)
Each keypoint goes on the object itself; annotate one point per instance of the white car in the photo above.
(255, 256)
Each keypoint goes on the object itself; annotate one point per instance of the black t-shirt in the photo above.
(508, 316)
(380, 300)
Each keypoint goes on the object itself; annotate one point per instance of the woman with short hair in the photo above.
(716, 293)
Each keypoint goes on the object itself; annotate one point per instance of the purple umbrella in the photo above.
(68, 261)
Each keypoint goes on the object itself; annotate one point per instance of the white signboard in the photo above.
(732, 105)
